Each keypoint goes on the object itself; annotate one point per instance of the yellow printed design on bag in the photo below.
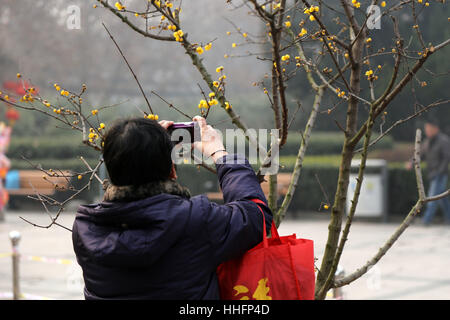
(261, 292)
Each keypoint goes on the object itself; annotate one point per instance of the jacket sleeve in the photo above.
(236, 226)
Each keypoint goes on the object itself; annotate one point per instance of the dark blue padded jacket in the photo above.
(174, 244)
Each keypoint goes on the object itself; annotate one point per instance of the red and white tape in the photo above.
(26, 296)
(39, 259)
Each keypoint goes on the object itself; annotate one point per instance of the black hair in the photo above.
(137, 151)
(432, 120)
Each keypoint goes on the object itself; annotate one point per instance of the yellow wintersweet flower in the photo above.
(153, 116)
(368, 40)
(222, 77)
(57, 87)
(19, 75)
(216, 84)
(311, 18)
(227, 105)
(46, 103)
(213, 102)
(208, 46)
(94, 112)
(212, 94)
(203, 104)
(287, 24)
(80, 177)
(199, 50)
(233, 45)
(219, 69)
(303, 32)
(383, 4)
(102, 125)
(119, 6)
(285, 57)
(178, 35)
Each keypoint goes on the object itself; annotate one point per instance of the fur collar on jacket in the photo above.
(132, 193)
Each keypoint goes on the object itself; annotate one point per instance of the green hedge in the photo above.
(63, 152)
(402, 193)
(327, 143)
(60, 147)
(70, 146)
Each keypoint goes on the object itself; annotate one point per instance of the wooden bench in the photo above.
(32, 181)
(283, 184)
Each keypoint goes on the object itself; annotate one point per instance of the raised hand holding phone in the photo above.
(211, 144)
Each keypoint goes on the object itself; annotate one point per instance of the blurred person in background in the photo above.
(435, 151)
(5, 164)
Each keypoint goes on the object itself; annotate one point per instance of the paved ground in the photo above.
(417, 267)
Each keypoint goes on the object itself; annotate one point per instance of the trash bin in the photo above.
(372, 200)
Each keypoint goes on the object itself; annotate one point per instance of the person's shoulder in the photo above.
(443, 135)
(444, 138)
(199, 203)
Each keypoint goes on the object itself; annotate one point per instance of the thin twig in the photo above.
(171, 105)
(129, 67)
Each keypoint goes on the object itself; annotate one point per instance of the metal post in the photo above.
(385, 175)
(14, 236)
(338, 294)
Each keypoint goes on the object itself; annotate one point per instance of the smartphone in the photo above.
(191, 131)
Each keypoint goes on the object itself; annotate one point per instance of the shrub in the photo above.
(322, 143)
(61, 147)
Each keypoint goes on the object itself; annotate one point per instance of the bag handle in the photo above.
(273, 228)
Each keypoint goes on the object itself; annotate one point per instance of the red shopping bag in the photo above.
(279, 268)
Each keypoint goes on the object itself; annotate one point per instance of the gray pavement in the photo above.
(417, 267)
